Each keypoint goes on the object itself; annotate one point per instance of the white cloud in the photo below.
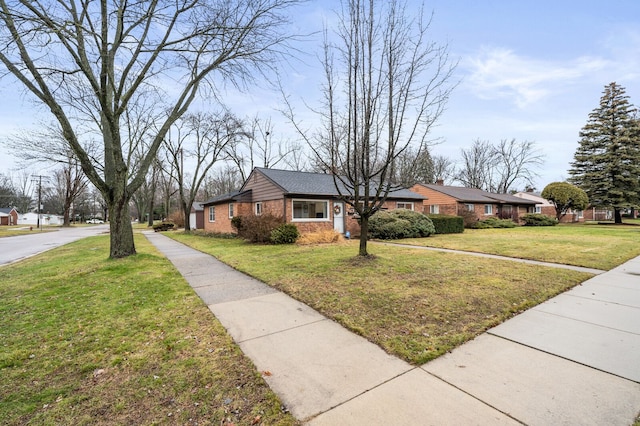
(498, 73)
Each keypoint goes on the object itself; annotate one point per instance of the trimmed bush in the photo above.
(286, 233)
(494, 222)
(445, 224)
(537, 219)
(236, 222)
(400, 223)
(257, 229)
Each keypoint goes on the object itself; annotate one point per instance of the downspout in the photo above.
(284, 208)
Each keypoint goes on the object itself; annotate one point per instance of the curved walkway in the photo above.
(573, 360)
(495, 256)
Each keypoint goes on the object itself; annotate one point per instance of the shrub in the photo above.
(286, 233)
(177, 218)
(257, 229)
(400, 223)
(537, 219)
(469, 218)
(445, 224)
(209, 234)
(236, 222)
(494, 222)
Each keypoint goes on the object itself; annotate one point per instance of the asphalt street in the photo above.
(34, 242)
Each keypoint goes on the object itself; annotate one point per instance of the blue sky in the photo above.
(529, 70)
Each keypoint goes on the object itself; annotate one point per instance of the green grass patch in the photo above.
(413, 303)
(88, 340)
(593, 246)
(12, 231)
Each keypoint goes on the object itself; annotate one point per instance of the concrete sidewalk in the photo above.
(574, 360)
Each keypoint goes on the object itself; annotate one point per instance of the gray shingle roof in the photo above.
(473, 195)
(306, 183)
(230, 196)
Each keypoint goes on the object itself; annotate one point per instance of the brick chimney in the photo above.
(440, 182)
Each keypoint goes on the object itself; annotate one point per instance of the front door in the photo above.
(338, 217)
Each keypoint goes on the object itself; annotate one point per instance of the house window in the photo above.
(469, 207)
(538, 209)
(212, 214)
(408, 206)
(488, 209)
(258, 209)
(230, 210)
(434, 209)
(308, 210)
(579, 214)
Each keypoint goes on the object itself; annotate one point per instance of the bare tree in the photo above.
(223, 181)
(90, 62)
(260, 148)
(23, 187)
(7, 192)
(516, 162)
(68, 183)
(386, 84)
(478, 165)
(443, 168)
(144, 197)
(201, 138)
(48, 146)
(496, 168)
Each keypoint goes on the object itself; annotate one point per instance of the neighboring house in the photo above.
(45, 219)
(308, 200)
(196, 217)
(547, 208)
(598, 213)
(454, 200)
(8, 216)
(543, 206)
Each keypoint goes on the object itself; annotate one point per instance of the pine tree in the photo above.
(607, 162)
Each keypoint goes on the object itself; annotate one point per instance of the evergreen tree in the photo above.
(607, 162)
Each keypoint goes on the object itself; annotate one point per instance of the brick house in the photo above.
(547, 208)
(8, 216)
(454, 200)
(308, 200)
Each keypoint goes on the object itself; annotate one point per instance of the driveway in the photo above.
(31, 243)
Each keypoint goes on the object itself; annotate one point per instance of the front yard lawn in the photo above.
(89, 341)
(593, 246)
(414, 304)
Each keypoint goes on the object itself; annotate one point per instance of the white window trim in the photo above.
(404, 204)
(310, 219)
(231, 210)
(434, 208)
(258, 206)
(490, 209)
(212, 209)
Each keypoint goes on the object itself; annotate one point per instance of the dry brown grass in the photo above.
(320, 237)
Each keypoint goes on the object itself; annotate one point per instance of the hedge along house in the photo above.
(455, 200)
(308, 200)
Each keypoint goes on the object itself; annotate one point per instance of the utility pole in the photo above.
(38, 225)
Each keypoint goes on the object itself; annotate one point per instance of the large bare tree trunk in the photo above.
(121, 232)
(364, 235)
